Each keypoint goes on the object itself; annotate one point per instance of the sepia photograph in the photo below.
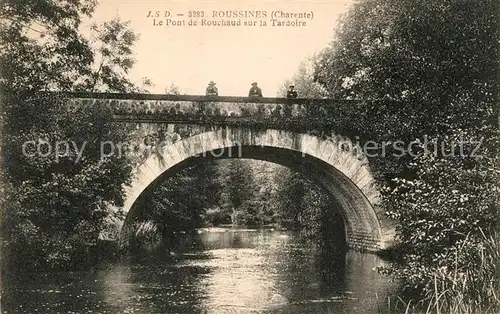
(268, 156)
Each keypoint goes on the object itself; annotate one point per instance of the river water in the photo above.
(215, 271)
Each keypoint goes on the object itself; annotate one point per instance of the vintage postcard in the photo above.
(250, 156)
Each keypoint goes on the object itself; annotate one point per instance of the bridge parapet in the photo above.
(207, 109)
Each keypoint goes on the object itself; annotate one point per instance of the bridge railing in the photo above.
(200, 98)
(198, 109)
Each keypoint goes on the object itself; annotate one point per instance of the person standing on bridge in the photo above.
(291, 93)
(211, 89)
(255, 91)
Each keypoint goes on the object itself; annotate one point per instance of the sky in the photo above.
(233, 57)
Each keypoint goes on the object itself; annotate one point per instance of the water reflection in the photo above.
(243, 275)
(217, 271)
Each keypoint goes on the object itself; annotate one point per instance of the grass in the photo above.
(146, 233)
(473, 288)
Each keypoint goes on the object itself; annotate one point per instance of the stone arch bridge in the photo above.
(271, 129)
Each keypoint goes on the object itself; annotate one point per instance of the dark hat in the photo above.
(211, 83)
(254, 83)
(291, 85)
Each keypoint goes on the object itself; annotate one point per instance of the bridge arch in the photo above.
(333, 163)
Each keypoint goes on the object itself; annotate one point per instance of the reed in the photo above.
(467, 288)
(147, 234)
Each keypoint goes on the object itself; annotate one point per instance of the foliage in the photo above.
(239, 192)
(420, 68)
(238, 184)
(472, 288)
(173, 90)
(445, 214)
(415, 68)
(303, 81)
(290, 198)
(42, 48)
(61, 200)
(180, 201)
(112, 44)
(268, 193)
(463, 290)
(147, 234)
(55, 206)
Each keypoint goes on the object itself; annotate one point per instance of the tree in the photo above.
(55, 205)
(386, 50)
(112, 44)
(42, 48)
(404, 64)
(425, 68)
(304, 82)
(237, 185)
(179, 203)
(264, 191)
(290, 198)
(448, 231)
(61, 200)
(173, 90)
